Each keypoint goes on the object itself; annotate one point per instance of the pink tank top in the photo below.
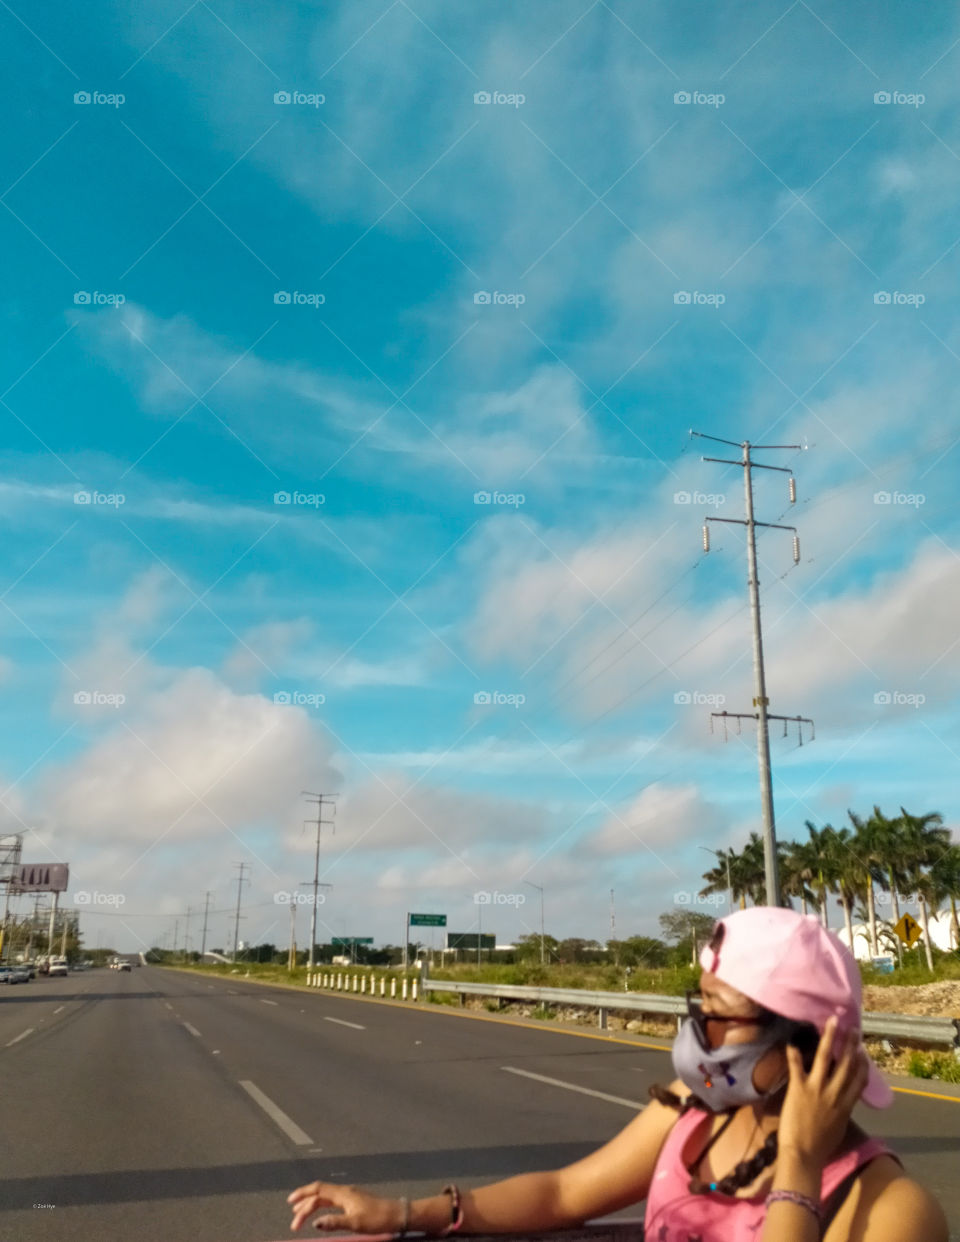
(673, 1214)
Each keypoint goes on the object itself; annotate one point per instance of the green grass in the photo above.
(943, 1066)
(668, 981)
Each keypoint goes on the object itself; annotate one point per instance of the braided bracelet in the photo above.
(456, 1210)
(794, 1196)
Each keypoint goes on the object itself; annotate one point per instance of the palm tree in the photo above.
(890, 851)
(797, 872)
(723, 878)
(925, 841)
(846, 871)
(821, 866)
(946, 870)
(867, 846)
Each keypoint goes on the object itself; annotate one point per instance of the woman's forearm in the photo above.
(786, 1221)
(530, 1201)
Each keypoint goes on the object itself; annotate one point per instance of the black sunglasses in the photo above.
(695, 1011)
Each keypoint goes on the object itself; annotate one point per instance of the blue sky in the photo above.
(380, 258)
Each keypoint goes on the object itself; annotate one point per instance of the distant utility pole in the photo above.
(613, 917)
(176, 928)
(539, 887)
(760, 700)
(319, 799)
(206, 911)
(236, 925)
(186, 936)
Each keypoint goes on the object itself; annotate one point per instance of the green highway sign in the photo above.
(351, 940)
(468, 940)
(428, 920)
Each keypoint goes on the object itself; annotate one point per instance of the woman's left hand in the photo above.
(817, 1106)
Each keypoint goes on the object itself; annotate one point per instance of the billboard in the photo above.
(40, 878)
(468, 940)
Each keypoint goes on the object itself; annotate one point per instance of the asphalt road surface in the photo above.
(165, 1107)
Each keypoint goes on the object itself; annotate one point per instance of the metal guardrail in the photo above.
(944, 1032)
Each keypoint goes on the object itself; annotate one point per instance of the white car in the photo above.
(58, 966)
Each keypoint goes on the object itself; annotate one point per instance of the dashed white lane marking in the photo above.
(192, 1029)
(267, 1002)
(278, 1116)
(572, 1086)
(59, 1007)
(168, 1005)
(342, 1022)
(22, 1035)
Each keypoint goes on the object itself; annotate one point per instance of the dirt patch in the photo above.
(932, 1000)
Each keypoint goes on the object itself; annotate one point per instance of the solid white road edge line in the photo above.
(277, 1115)
(22, 1035)
(341, 1022)
(571, 1086)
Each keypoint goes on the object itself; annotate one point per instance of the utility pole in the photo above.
(319, 799)
(206, 911)
(292, 956)
(176, 928)
(613, 917)
(186, 936)
(760, 700)
(236, 925)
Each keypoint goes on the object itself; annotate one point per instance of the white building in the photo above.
(939, 935)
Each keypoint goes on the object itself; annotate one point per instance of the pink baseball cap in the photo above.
(792, 965)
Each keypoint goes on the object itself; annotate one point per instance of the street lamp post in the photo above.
(539, 888)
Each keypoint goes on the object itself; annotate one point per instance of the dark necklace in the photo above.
(697, 1185)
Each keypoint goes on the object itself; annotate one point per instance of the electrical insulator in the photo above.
(796, 549)
(706, 537)
(793, 490)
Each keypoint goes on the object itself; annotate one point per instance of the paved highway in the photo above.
(167, 1107)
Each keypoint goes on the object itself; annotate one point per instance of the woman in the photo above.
(752, 1142)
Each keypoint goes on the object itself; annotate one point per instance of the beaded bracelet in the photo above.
(794, 1196)
(456, 1210)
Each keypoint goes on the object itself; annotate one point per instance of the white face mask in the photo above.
(723, 1077)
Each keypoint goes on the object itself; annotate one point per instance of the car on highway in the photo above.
(19, 974)
(5, 973)
(123, 966)
(58, 966)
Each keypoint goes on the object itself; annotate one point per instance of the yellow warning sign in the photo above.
(908, 929)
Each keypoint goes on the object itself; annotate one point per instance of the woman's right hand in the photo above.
(359, 1211)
